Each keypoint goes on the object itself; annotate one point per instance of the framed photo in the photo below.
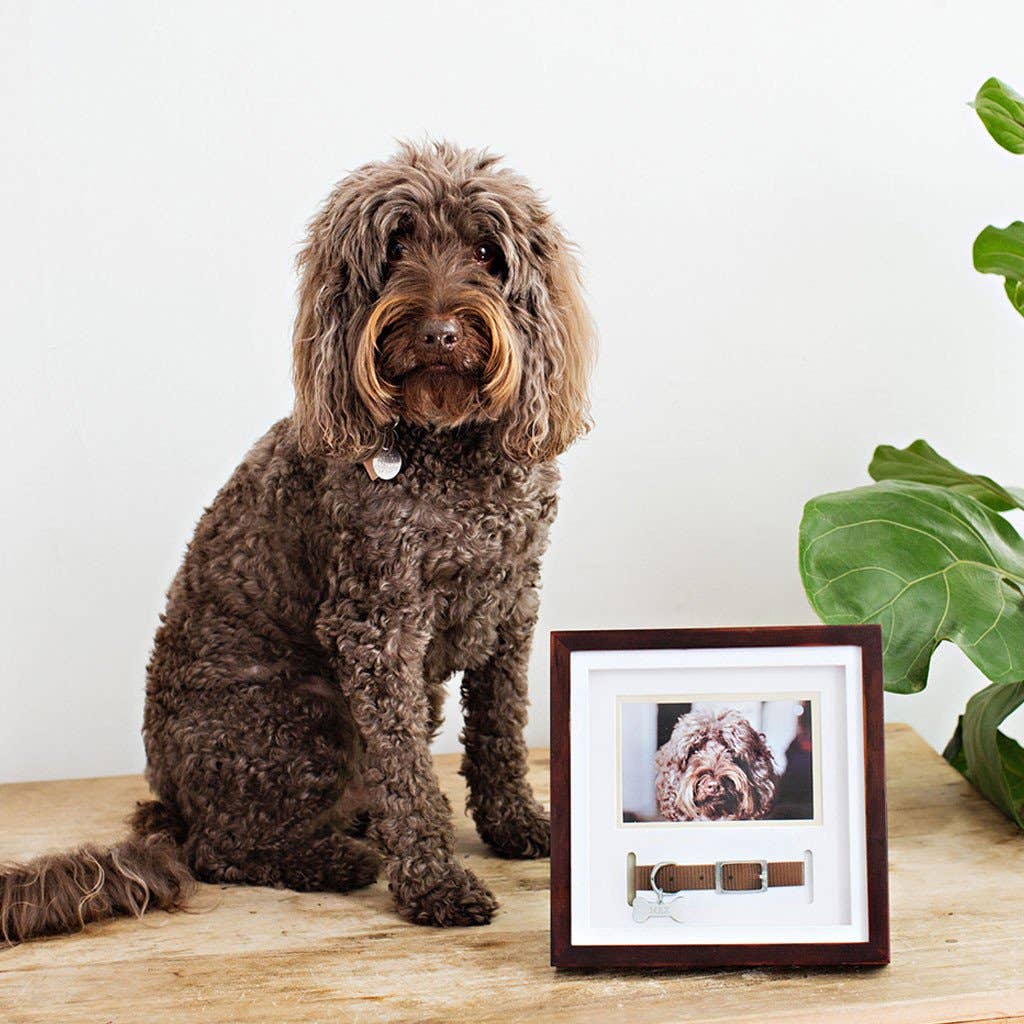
(718, 797)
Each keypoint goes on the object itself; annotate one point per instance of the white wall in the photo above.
(776, 203)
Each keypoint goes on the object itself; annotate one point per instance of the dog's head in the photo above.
(715, 767)
(436, 289)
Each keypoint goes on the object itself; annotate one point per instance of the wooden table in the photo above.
(269, 955)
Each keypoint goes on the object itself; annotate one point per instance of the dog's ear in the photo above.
(751, 751)
(558, 357)
(668, 781)
(340, 403)
(570, 353)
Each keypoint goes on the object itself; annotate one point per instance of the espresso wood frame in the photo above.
(874, 951)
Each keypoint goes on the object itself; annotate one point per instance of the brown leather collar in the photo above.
(726, 876)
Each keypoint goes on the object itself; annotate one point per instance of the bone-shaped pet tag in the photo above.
(643, 909)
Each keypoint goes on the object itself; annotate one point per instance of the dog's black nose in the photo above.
(439, 332)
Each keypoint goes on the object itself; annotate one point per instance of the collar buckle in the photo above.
(720, 876)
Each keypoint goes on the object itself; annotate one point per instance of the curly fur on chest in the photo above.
(295, 551)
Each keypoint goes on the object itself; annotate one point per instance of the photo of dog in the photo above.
(715, 767)
(717, 761)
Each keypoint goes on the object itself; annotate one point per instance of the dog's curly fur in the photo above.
(714, 767)
(297, 676)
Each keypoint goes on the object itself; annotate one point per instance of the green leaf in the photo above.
(1002, 112)
(925, 563)
(921, 462)
(1001, 251)
(1015, 293)
(989, 759)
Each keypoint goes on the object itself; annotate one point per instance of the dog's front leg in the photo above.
(494, 701)
(380, 671)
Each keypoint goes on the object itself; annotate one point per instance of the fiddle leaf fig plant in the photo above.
(931, 561)
(1001, 250)
(928, 565)
(921, 462)
(1000, 776)
(1002, 112)
(926, 553)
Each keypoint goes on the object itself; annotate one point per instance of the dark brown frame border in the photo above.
(874, 951)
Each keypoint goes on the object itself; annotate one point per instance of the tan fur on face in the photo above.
(379, 396)
(504, 367)
(448, 403)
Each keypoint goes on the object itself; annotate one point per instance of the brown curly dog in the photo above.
(714, 767)
(297, 677)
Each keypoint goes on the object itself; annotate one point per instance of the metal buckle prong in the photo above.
(719, 888)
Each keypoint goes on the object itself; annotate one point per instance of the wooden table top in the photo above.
(246, 954)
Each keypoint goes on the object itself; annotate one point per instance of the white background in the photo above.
(776, 203)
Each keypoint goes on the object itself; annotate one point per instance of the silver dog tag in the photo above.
(387, 463)
(644, 909)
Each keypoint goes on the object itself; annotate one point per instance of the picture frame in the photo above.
(742, 768)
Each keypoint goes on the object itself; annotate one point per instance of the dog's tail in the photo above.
(63, 892)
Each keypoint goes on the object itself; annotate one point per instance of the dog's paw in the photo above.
(455, 898)
(524, 834)
(361, 867)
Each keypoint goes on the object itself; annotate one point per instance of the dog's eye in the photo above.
(490, 257)
(395, 250)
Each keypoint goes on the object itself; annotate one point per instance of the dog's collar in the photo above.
(724, 876)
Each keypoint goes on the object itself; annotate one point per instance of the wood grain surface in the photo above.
(244, 954)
